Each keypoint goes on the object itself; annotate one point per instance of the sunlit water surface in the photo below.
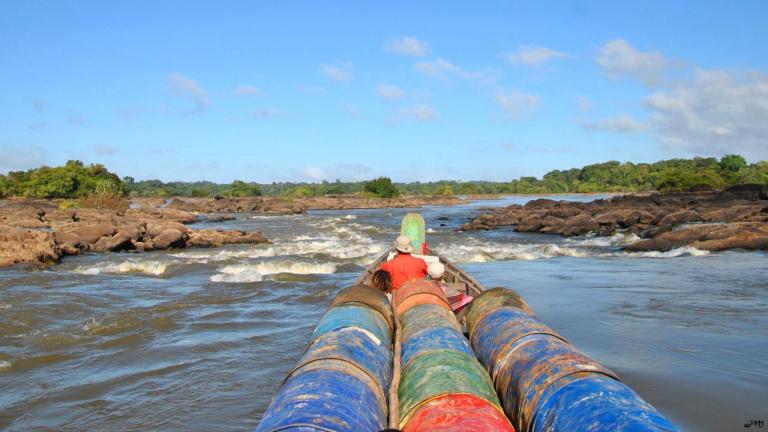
(201, 339)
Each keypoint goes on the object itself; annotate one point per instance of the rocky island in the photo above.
(703, 218)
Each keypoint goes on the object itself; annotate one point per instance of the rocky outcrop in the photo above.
(706, 219)
(23, 246)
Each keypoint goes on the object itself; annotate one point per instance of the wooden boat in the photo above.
(524, 360)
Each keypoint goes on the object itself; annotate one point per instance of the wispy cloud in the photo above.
(715, 112)
(619, 124)
(422, 113)
(390, 92)
(517, 104)
(341, 72)
(248, 90)
(407, 45)
(619, 59)
(444, 69)
(13, 158)
(342, 171)
(534, 56)
(185, 87)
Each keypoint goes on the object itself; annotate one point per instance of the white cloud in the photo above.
(716, 112)
(14, 158)
(186, 87)
(248, 90)
(516, 103)
(620, 124)
(619, 59)
(351, 109)
(421, 113)
(444, 69)
(341, 72)
(534, 56)
(342, 171)
(389, 91)
(407, 45)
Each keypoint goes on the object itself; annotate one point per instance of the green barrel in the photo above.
(371, 297)
(425, 316)
(441, 372)
(492, 299)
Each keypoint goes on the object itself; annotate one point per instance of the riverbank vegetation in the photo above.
(75, 180)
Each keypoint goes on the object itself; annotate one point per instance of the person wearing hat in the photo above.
(404, 266)
(456, 299)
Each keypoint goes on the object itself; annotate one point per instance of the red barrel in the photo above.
(458, 413)
(419, 292)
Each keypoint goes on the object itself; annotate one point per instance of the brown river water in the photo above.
(200, 340)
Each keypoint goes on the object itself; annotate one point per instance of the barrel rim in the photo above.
(405, 418)
(442, 301)
(388, 320)
(510, 349)
(381, 394)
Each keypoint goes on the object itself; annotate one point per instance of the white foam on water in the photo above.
(152, 268)
(350, 217)
(5, 306)
(677, 252)
(5, 364)
(617, 239)
(488, 252)
(256, 272)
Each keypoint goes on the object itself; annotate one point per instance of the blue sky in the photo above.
(275, 91)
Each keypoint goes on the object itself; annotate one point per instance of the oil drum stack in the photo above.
(544, 383)
(443, 386)
(342, 380)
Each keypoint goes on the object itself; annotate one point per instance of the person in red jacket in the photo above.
(404, 267)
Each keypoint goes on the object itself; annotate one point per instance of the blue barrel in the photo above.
(424, 316)
(432, 338)
(351, 315)
(495, 334)
(597, 403)
(355, 346)
(324, 400)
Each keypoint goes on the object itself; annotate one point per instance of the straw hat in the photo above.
(403, 244)
(436, 270)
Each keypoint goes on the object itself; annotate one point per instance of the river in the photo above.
(199, 340)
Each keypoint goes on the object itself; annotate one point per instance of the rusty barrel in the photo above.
(432, 338)
(353, 315)
(530, 364)
(602, 403)
(441, 372)
(418, 292)
(373, 298)
(492, 299)
(458, 413)
(425, 316)
(495, 335)
(326, 397)
(355, 346)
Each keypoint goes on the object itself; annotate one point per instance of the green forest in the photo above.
(77, 180)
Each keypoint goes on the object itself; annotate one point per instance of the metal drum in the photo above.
(418, 292)
(317, 399)
(440, 372)
(420, 317)
(492, 299)
(352, 315)
(356, 346)
(494, 336)
(458, 413)
(596, 403)
(532, 365)
(432, 338)
(367, 296)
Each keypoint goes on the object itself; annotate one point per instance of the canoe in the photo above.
(507, 362)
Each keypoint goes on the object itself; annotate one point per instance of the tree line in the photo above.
(76, 180)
